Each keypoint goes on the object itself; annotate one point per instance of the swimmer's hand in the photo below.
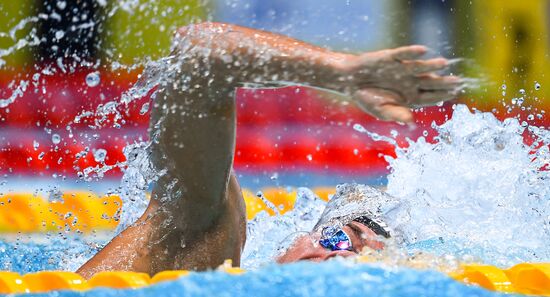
(388, 83)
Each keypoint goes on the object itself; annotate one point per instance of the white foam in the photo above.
(269, 235)
(477, 184)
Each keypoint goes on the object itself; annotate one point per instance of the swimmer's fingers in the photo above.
(431, 82)
(383, 105)
(411, 52)
(428, 98)
(425, 66)
(395, 112)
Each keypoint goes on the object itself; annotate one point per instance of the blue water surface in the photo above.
(51, 254)
(333, 278)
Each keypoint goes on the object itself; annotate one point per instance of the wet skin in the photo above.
(307, 247)
(196, 217)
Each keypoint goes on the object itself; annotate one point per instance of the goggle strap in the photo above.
(377, 227)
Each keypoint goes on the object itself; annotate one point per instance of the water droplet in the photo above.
(41, 156)
(309, 157)
(59, 34)
(182, 243)
(274, 176)
(35, 144)
(359, 128)
(99, 155)
(520, 100)
(144, 108)
(56, 139)
(537, 86)
(522, 91)
(93, 79)
(356, 152)
(530, 117)
(524, 124)
(61, 4)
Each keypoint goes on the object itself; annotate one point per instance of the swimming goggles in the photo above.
(335, 239)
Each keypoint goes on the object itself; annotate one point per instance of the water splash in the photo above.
(139, 174)
(30, 40)
(18, 92)
(267, 236)
(478, 185)
(507, 180)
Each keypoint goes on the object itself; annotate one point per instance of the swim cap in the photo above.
(354, 202)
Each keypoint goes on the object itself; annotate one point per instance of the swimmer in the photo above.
(196, 217)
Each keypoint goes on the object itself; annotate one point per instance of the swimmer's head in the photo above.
(352, 221)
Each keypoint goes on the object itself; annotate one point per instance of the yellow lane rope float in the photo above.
(83, 211)
(526, 278)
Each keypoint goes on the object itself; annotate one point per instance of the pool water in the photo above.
(332, 278)
(468, 196)
(462, 219)
(38, 253)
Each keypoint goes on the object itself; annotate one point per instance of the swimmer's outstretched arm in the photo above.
(196, 217)
(385, 83)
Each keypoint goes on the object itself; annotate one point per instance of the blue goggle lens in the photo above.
(338, 241)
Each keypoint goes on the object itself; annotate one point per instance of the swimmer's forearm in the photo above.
(248, 55)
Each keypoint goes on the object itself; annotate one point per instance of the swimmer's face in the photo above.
(307, 247)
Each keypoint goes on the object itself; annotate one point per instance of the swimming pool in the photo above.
(304, 279)
(473, 189)
(469, 137)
